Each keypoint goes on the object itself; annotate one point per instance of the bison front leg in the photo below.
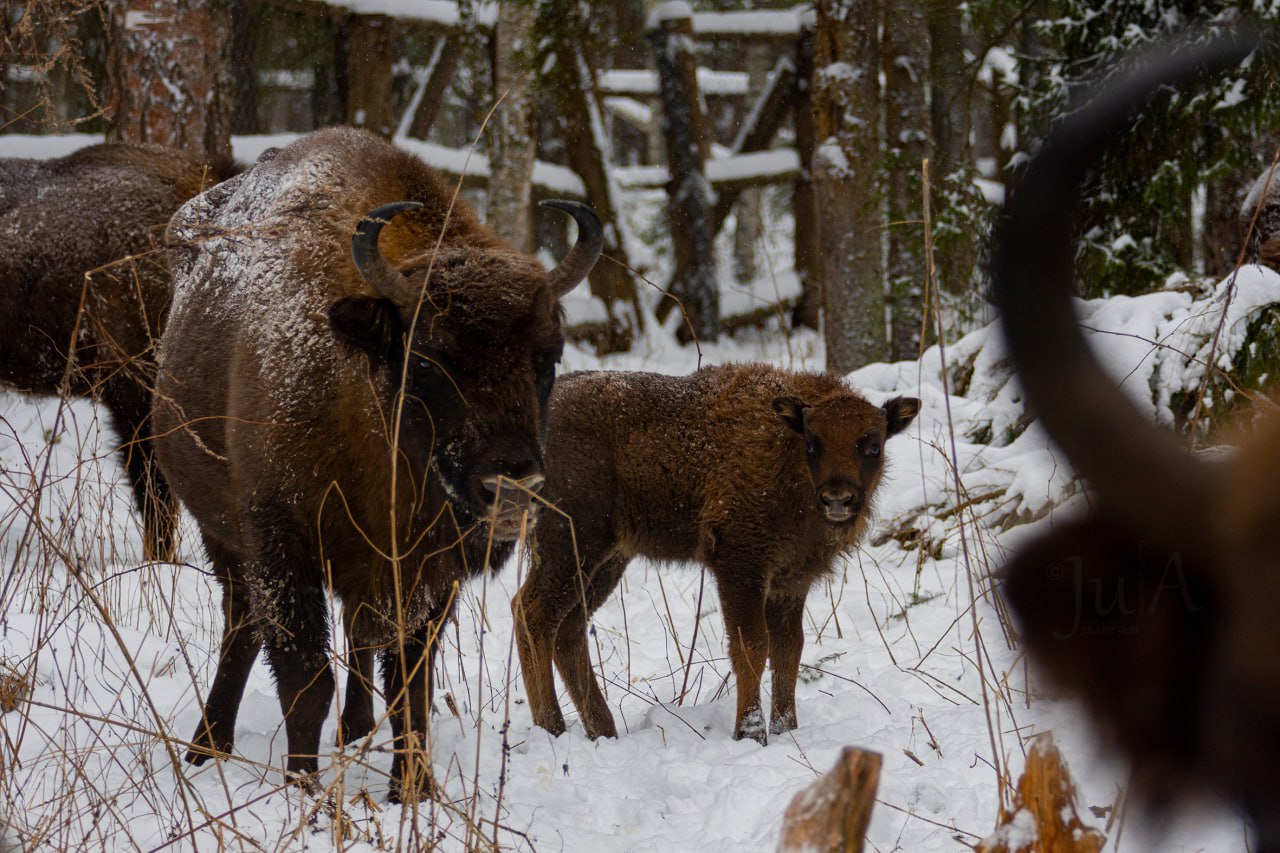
(742, 597)
(294, 620)
(215, 734)
(357, 712)
(786, 641)
(573, 656)
(408, 680)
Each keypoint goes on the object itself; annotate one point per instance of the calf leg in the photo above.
(552, 590)
(742, 597)
(573, 656)
(215, 735)
(785, 617)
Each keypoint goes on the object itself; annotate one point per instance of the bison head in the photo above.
(844, 440)
(468, 340)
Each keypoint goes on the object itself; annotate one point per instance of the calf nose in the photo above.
(839, 502)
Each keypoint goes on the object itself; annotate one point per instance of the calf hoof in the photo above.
(782, 723)
(752, 727)
(604, 727)
(553, 722)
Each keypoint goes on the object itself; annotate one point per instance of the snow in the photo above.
(442, 13)
(887, 664)
(783, 22)
(627, 81)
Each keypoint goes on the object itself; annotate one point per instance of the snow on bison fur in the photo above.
(351, 414)
(762, 475)
(85, 289)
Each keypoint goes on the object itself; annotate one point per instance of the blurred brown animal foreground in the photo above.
(762, 475)
(832, 814)
(85, 290)
(1161, 610)
(352, 395)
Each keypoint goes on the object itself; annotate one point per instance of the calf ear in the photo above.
(372, 325)
(791, 410)
(901, 411)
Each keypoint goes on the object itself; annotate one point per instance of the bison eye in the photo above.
(810, 447)
(871, 448)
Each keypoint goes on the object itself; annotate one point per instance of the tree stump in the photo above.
(833, 813)
(1042, 818)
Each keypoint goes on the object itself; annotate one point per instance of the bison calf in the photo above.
(760, 474)
(85, 291)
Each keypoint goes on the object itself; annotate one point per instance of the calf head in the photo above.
(466, 341)
(844, 440)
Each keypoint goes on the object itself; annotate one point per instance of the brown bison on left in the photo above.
(85, 289)
(762, 475)
(352, 399)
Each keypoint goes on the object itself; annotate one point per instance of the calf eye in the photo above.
(810, 448)
(871, 448)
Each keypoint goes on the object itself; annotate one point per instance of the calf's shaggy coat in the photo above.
(351, 414)
(84, 289)
(762, 475)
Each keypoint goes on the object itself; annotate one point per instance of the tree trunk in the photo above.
(169, 74)
(955, 252)
(908, 142)
(808, 311)
(513, 142)
(244, 69)
(846, 117)
(689, 195)
(371, 54)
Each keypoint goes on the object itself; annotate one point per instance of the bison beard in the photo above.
(1160, 609)
(356, 415)
(762, 475)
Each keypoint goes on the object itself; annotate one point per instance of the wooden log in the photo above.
(689, 193)
(445, 62)
(833, 813)
(1042, 817)
(776, 102)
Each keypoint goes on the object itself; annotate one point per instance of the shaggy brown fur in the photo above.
(1162, 609)
(762, 475)
(85, 289)
(286, 434)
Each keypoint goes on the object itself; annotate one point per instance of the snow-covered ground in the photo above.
(906, 653)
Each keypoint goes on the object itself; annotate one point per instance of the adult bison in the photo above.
(1161, 610)
(84, 289)
(763, 475)
(350, 414)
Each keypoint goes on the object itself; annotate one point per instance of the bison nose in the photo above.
(510, 494)
(840, 503)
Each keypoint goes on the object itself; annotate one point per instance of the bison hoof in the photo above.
(782, 723)
(418, 785)
(307, 780)
(354, 727)
(552, 723)
(205, 746)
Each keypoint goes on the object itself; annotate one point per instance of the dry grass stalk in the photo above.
(15, 688)
(1042, 817)
(833, 813)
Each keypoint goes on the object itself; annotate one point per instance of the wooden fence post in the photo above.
(688, 147)
(832, 814)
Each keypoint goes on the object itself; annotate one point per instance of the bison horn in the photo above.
(385, 279)
(574, 267)
(1139, 470)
